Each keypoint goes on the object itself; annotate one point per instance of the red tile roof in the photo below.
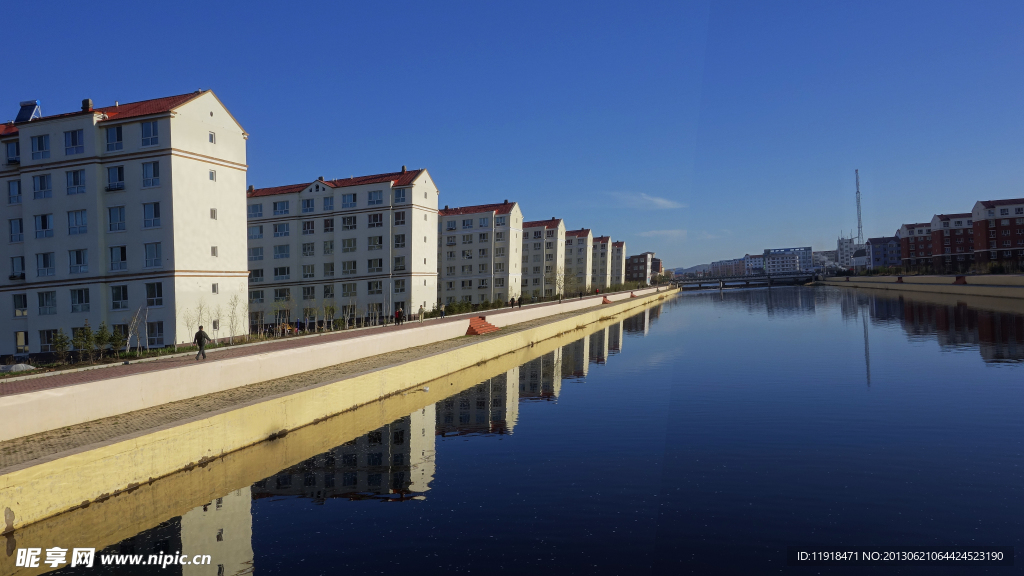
(396, 179)
(503, 208)
(991, 203)
(605, 239)
(920, 224)
(580, 232)
(619, 244)
(949, 216)
(8, 129)
(553, 223)
(132, 109)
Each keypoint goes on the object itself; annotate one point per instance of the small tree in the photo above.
(233, 304)
(61, 346)
(202, 311)
(119, 340)
(189, 319)
(82, 340)
(101, 339)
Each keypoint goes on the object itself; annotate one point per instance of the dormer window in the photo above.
(114, 142)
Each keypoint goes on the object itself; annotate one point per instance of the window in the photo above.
(484, 282)
(150, 174)
(307, 271)
(114, 141)
(450, 255)
(308, 249)
(150, 134)
(254, 211)
(399, 263)
(17, 230)
(499, 267)
(328, 247)
(14, 152)
(281, 208)
(374, 220)
(46, 338)
(482, 252)
(256, 275)
(498, 252)
(348, 223)
(499, 236)
(255, 254)
(467, 238)
(213, 175)
(76, 222)
(80, 300)
(374, 287)
(400, 218)
(255, 296)
(328, 292)
(151, 215)
(14, 192)
(328, 269)
(348, 268)
(450, 225)
(328, 203)
(399, 286)
(400, 195)
(328, 224)
(307, 205)
(20, 305)
(399, 240)
(213, 138)
(282, 251)
(213, 213)
(374, 265)
(255, 232)
(467, 254)
(374, 242)
(118, 258)
(348, 200)
(485, 222)
(282, 294)
(155, 294)
(76, 181)
(79, 260)
(44, 226)
(115, 178)
(40, 147)
(467, 223)
(308, 293)
(47, 303)
(483, 269)
(376, 198)
(44, 264)
(42, 186)
(155, 332)
(283, 273)
(115, 217)
(307, 227)
(499, 282)
(348, 245)
(348, 290)
(153, 255)
(74, 142)
(1004, 211)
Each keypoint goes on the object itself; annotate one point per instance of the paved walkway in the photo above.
(72, 378)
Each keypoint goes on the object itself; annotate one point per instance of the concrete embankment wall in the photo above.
(34, 412)
(44, 488)
(999, 286)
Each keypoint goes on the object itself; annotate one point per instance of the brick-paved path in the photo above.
(218, 354)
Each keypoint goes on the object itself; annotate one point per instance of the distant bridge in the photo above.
(711, 282)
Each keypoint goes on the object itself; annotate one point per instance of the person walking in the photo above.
(200, 340)
(442, 310)
(398, 317)
(421, 313)
(520, 301)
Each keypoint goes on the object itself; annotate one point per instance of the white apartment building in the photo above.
(601, 263)
(753, 264)
(618, 263)
(777, 260)
(543, 257)
(120, 212)
(478, 253)
(579, 245)
(362, 246)
(845, 247)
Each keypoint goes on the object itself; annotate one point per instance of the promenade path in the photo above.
(74, 377)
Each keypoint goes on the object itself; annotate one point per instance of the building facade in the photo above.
(916, 246)
(127, 215)
(883, 252)
(734, 267)
(999, 230)
(753, 264)
(352, 248)
(638, 267)
(779, 260)
(618, 263)
(657, 267)
(579, 246)
(478, 254)
(953, 241)
(845, 247)
(543, 257)
(601, 263)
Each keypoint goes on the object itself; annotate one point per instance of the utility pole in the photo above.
(860, 226)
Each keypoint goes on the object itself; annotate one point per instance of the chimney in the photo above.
(251, 188)
(403, 168)
(116, 103)
(320, 178)
(506, 201)
(87, 105)
(445, 206)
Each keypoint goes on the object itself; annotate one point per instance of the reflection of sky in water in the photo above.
(706, 434)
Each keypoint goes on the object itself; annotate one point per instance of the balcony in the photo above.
(20, 276)
(115, 186)
(14, 161)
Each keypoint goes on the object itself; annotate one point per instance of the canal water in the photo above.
(704, 436)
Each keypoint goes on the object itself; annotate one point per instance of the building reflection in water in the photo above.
(490, 407)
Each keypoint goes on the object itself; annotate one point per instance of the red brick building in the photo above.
(916, 246)
(999, 231)
(953, 242)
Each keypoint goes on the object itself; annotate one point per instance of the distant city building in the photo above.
(916, 246)
(601, 263)
(753, 264)
(953, 239)
(478, 256)
(845, 247)
(544, 257)
(618, 263)
(860, 259)
(657, 268)
(638, 267)
(734, 267)
(579, 246)
(824, 257)
(883, 252)
(999, 228)
(780, 260)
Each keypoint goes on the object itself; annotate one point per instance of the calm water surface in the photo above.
(702, 436)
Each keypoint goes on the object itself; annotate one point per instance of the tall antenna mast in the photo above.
(860, 226)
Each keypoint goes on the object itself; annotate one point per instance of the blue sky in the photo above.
(699, 130)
